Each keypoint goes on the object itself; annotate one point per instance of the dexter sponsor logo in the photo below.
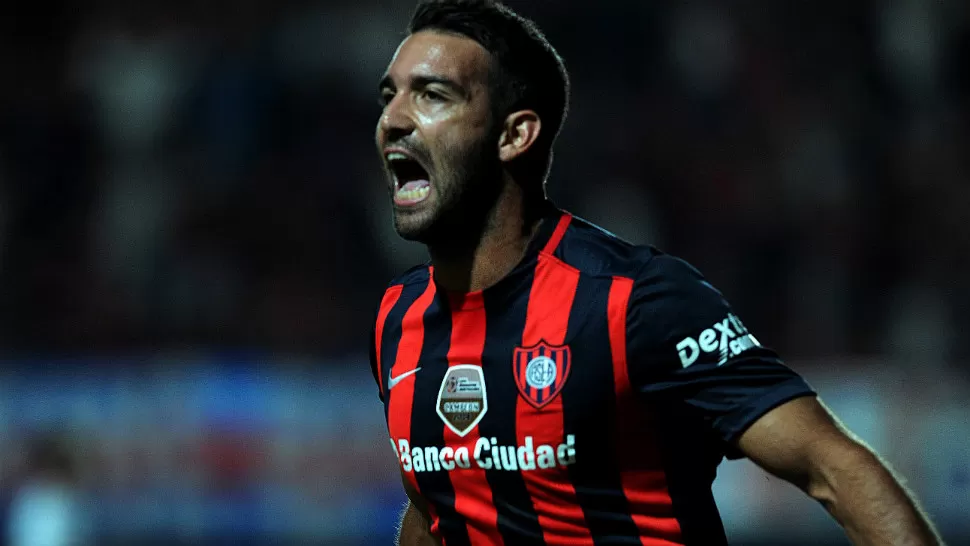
(486, 454)
(728, 338)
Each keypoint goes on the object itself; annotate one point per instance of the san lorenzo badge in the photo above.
(540, 371)
(461, 399)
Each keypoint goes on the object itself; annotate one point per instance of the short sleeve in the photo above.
(687, 347)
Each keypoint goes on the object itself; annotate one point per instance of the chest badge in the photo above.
(540, 371)
(462, 401)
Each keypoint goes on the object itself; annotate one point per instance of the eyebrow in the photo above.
(424, 81)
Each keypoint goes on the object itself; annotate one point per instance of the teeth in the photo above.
(417, 194)
(397, 156)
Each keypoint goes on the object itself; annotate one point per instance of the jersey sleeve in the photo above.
(686, 347)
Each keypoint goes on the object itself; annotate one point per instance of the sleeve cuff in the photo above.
(732, 426)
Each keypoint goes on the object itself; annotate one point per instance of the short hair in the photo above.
(527, 72)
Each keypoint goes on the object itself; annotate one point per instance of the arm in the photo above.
(724, 381)
(415, 528)
(801, 442)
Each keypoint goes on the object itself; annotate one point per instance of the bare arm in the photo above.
(415, 528)
(802, 442)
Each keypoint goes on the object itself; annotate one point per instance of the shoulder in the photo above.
(595, 251)
(407, 285)
(669, 299)
(418, 274)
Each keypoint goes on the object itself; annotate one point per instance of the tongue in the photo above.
(415, 185)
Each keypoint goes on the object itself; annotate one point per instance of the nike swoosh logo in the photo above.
(395, 380)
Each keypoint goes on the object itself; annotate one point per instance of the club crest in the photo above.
(540, 371)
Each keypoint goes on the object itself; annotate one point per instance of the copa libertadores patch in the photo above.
(462, 401)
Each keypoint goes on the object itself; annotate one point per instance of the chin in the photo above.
(414, 226)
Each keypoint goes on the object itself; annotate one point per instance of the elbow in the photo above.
(823, 490)
(837, 470)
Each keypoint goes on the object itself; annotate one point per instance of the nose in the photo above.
(396, 121)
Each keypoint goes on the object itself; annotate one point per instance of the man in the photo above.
(545, 382)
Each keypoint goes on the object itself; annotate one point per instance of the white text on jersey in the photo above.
(486, 454)
(728, 337)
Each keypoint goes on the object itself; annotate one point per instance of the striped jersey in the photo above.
(586, 398)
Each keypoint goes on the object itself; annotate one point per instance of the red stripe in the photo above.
(558, 234)
(473, 496)
(387, 303)
(402, 399)
(547, 318)
(641, 467)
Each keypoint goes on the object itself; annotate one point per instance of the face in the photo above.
(435, 134)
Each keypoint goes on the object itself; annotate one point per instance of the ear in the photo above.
(520, 132)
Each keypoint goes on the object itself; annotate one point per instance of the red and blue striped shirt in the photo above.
(586, 398)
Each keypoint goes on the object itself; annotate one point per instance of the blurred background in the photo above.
(194, 235)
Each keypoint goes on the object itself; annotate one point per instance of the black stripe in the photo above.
(427, 428)
(691, 455)
(518, 522)
(589, 412)
(391, 336)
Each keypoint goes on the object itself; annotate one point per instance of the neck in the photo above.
(484, 258)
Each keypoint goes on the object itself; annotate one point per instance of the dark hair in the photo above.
(527, 72)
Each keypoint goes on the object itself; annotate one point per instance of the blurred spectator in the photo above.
(45, 510)
(178, 174)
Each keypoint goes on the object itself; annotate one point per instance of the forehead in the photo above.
(433, 53)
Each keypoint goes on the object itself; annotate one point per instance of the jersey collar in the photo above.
(550, 231)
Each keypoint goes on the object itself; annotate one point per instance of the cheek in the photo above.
(462, 146)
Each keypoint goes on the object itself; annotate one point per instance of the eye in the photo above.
(387, 95)
(432, 96)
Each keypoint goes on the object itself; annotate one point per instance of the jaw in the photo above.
(415, 223)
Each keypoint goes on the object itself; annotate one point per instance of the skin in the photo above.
(477, 224)
(803, 443)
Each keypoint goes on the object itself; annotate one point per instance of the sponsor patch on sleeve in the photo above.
(727, 338)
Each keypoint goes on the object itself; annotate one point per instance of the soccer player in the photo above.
(545, 382)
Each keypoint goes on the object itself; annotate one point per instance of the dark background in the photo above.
(194, 234)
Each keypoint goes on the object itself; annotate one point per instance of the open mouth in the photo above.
(411, 181)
